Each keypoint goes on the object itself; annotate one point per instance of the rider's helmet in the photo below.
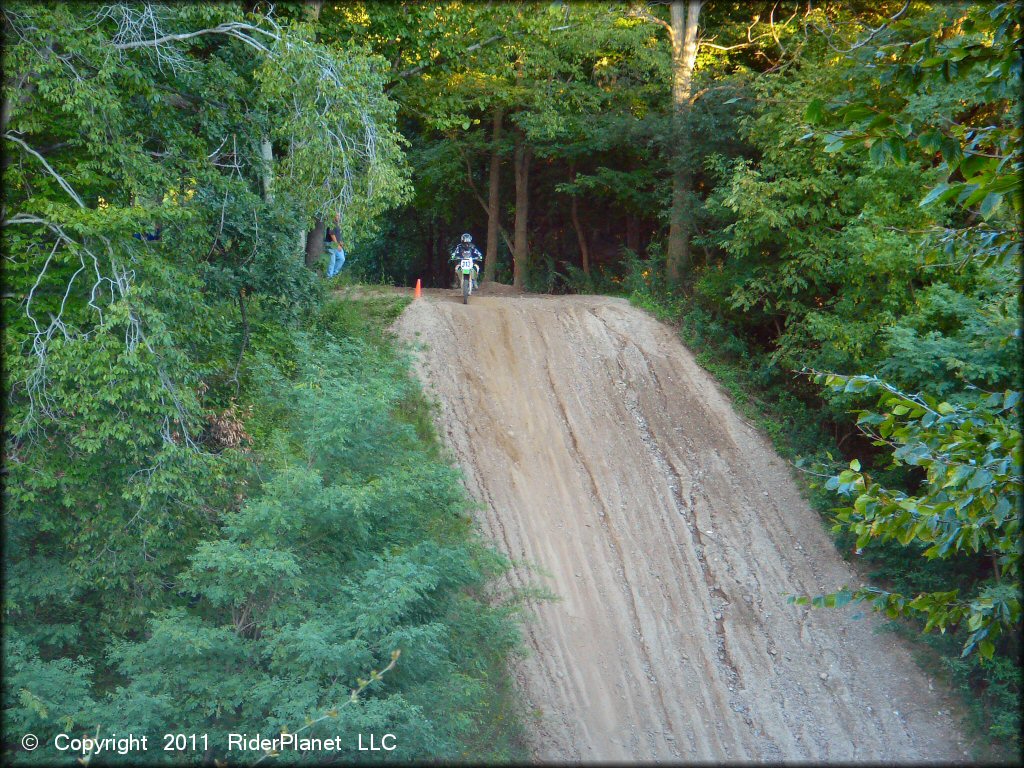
(467, 238)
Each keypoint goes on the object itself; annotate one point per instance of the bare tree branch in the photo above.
(750, 40)
(637, 12)
(872, 32)
(60, 179)
(236, 29)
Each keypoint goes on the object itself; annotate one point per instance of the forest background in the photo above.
(224, 503)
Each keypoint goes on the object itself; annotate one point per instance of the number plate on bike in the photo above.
(466, 265)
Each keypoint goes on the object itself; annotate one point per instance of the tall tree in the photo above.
(521, 245)
(494, 198)
(581, 235)
(684, 56)
(191, 524)
(682, 35)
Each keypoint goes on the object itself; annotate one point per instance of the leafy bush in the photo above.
(350, 541)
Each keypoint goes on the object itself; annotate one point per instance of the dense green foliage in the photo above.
(964, 506)
(854, 209)
(348, 540)
(880, 239)
(962, 341)
(224, 504)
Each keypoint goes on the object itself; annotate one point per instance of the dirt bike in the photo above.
(465, 271)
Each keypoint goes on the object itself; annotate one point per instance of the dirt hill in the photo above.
(670, 530)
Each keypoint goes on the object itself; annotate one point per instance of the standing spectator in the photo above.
(335, 247)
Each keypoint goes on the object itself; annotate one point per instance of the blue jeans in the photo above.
(337, 261)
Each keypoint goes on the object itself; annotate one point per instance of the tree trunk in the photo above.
(684, 55)
(521, 253)
(315, 244)
(442, 267)
(427, 238)
(245, 338)
(581, 236)
(678, 256)
(5, 112)
(312, 243)
(633, 233)
(267, 176)
(312, 9)
(493, 200)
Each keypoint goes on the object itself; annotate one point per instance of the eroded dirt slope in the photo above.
(670, 530)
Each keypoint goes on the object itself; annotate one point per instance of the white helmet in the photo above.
(467, 238)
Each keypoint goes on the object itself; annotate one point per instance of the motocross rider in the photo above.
(466, 250)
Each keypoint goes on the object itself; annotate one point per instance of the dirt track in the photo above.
(670, 530)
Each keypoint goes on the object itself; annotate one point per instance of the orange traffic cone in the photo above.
(418, 292)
